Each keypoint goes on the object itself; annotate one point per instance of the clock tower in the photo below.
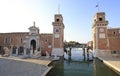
(58, 35)
(99, 32)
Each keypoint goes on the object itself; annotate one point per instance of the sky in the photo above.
(18, 16)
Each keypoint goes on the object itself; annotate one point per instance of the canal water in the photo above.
(80, 65)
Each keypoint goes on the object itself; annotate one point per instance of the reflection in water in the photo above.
(78, 68)
(69, 59)
(78, 64)
(58, 69)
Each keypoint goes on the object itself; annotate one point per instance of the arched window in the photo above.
(57, 20)
(114, 32)
(21, 40)
(46, 40)
(100, 19)
(11, 40)
(5, 40)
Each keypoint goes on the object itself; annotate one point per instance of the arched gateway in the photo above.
(33, 45)
(32, 40)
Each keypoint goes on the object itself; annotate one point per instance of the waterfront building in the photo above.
(105, 39)
(24, 43)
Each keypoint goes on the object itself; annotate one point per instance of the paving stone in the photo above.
(9, 67)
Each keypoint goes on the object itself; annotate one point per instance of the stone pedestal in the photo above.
(7, 52)
(31, 52)
(47, 55)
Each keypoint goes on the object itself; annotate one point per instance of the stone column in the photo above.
(24, 52)
(16, 51)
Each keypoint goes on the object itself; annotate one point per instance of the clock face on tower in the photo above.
(101, 30)
(57, 30)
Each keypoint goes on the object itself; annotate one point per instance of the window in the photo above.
(46, 40)
(102, 35)
(114, 33)
(5, 40)
(49, 45)
(11, 40)
(100, 19)
(21, 40)
(57, 30)
(57, 20)
(57, 36)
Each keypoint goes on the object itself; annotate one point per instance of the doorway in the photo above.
(33, 45)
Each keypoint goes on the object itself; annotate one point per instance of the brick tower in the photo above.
(58, 35)
(99, 32)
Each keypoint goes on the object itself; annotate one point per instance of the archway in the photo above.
(14, 50)
(33, 45)
(20, 50)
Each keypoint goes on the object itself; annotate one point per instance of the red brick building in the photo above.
(104, 38)
(33, 41)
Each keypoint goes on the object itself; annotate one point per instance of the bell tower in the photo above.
(99, 31)
(58, 35)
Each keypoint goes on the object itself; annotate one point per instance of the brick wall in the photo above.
(114, 38)
(14, 39)
(46, 43)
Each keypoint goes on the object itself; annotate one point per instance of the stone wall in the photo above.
(106, 53)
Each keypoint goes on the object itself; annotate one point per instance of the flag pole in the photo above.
(58, 8)
(97, 5)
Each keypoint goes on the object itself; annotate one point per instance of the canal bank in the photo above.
(110, 59)
(112, 62)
